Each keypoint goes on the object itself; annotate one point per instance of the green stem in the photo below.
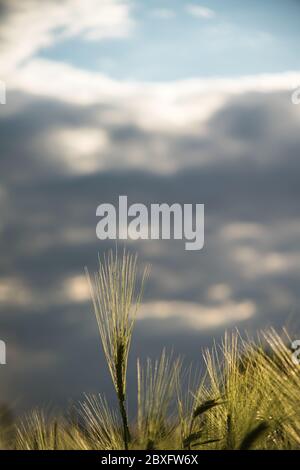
(121, 391)
(126, 433)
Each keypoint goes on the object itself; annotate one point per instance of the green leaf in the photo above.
(210, 441)
(254, 435)
(206, 406)
(191, 438)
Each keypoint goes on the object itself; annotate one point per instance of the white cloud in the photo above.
(200, 11)
(255, 263)
(73, 289)
(32, 25)
(159, 106)
(190, 315)
(243, 231)
(76, 289)
(80, 149)
(219, 292)
(159, 113)
(14, 292)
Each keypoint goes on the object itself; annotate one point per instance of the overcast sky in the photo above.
(164, 101)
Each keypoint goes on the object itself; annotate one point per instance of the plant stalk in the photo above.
(126, 432)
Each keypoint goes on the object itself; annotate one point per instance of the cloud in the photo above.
(199, 11)
(76, 289)
(189, 315)
(51, 21)
(73, 289)
(256, 264)
(152, 106)
(8, 289)
(243, 231)
(135, 129)
(79, 148)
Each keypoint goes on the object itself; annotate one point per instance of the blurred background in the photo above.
(163, 101)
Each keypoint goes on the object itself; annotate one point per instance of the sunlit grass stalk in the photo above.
(192, 406)
(156, 391)
(116, 299)
(100, 423)
(37, 432)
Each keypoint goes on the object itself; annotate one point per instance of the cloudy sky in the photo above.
(164, 101)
